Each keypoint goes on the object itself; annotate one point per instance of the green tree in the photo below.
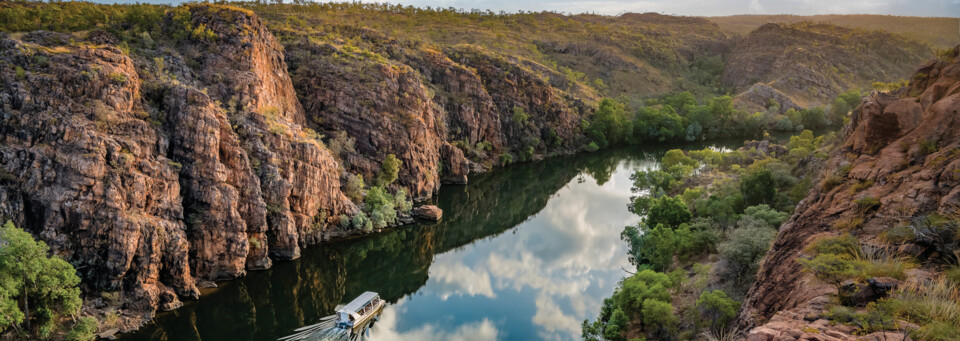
(616, 326)
(658, 316)
(669, 211)
(610, 124)
(722, 109)
(745, 247)
(676, 157)
(381, 207)
(519, 117)
(718, 308)
(45, 286)
(389, 170)
(354, 188)
(767, 214)
(758, 187)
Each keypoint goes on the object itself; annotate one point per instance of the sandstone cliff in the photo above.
(150, 175)
(904, 145)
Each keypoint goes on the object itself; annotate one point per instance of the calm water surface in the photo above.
(522, 253)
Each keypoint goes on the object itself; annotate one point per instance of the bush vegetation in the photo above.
(39, 293)
(734, 217)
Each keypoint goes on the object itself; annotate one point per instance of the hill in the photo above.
(941, 32)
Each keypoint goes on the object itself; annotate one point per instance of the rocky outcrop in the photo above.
(908, 145)
(429, 212)
(152, 176)
(245, 72)
(383, 105)
(760, 96)
(86, 172)
(442, 113)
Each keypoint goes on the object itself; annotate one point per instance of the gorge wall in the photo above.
(200, 158)
(906, 146)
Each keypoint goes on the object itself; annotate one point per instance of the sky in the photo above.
(938, 8)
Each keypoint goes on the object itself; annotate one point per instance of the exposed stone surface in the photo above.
(147, 184)
(883, 144)
(429, 212)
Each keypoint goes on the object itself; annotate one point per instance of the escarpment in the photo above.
(154, 175)
(442, 113)
(902, 152)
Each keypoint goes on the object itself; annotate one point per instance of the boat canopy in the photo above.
(355, 306)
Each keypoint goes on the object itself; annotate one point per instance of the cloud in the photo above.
(386, 329)
(556, 325)
(455, 278)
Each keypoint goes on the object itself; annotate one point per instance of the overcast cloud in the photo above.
(937, 8)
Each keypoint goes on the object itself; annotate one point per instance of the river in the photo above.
(526, 252)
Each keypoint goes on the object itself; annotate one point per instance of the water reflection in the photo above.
(522, 253)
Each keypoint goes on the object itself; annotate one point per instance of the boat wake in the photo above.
(325, 330)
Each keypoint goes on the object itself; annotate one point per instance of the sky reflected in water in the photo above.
(550, 272)
(522, 253)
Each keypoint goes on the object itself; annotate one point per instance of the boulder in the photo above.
(429, 212)
(859, 294)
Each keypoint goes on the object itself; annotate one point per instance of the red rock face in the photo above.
(147, 183)
(87, 174)
(884, 143)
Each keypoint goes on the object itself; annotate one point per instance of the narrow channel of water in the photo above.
(522, 253)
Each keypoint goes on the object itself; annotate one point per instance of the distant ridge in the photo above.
(942, 32)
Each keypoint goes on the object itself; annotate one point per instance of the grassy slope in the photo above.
(941, 32)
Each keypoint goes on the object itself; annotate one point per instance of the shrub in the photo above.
(669, 211)
(343, 221)
(867, 203)
(717, 307)
(927, 147)
(831, 181)
(506, 159)
(848, 224)
(845, 245)
(745, 247)
(360, 221)
(354, 188)
(592, 147)
(830, 268)
(84, 330)
(118, 78)
(658, 315)
(401, 201)
(380, 206)
(862, 185)
(389, 170)
(675, 157)
(934, 232)
(767, 214)
(653, 180)
(341, 144)
(519, 117)
(758, 187)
